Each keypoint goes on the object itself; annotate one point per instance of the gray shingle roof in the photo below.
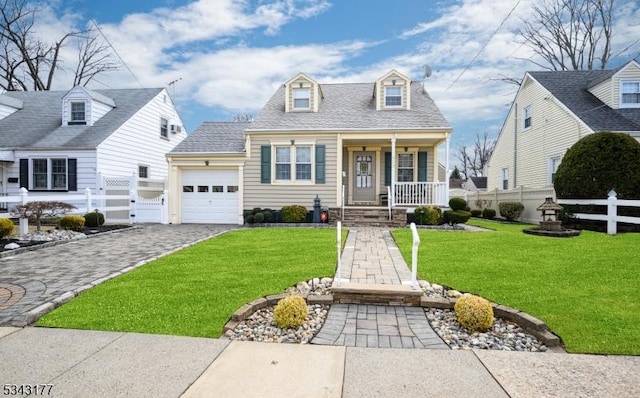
(570, 87)
(39, 123)
(351, 106)
(214, 137)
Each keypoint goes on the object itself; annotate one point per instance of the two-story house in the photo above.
(552, 111)
(55, 141)
(358, 144)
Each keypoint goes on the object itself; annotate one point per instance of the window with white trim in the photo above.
(526, 118)
(630, 94)
(405, 167)
(552, 168)
(78, 113)
(301, 98)
(49, 174)
(143, 171)
(164, 128)
(293, 163)
(393, 96)
(505, 178)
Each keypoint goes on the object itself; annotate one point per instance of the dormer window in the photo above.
(78, 114)
(393, 96)
(630, 94)
(301, 98)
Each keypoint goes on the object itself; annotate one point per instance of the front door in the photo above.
(364, 185)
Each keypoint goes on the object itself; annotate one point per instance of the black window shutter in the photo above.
(387, 169)
(320, 164)
(24, 173)
(422, 166)
(72, 174)
(265, 164)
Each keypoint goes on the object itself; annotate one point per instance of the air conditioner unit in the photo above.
(175, 129)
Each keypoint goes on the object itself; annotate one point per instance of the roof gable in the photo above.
(299, 87)
(394, 79)
(214, 137)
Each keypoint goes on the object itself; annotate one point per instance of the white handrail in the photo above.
(342, 204)
(389, 201)
(339, 247)
(414, 255)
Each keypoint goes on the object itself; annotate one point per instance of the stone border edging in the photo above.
(43, 309)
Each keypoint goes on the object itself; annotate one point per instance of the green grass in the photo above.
(193, 292)
(585, 288)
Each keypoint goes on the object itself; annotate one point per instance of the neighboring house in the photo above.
(312, 139)
(475, 184)
(552, 111)
(55, 141)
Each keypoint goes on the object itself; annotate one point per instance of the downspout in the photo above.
(515, 145)
(393, 169)
(447, 169)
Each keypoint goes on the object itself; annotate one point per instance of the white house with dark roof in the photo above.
(357, 141)
(56, 141)
(552, 111)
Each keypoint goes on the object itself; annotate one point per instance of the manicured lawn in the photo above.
(193, 292)
(586, 288)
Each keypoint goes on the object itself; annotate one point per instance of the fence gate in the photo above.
(116, 210)
(146, 203)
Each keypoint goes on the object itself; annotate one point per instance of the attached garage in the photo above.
(210, 196)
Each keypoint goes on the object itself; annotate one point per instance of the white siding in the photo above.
(6, 111)
(97, 110)
(138, 141)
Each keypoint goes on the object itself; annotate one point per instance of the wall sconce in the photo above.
(393, 82)
(406, 149)
(293, 142)
(206, 163)
(300, 85)
(364, 148)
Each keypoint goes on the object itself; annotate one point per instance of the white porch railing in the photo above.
(420, 194)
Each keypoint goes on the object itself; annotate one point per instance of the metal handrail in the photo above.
(414, 255)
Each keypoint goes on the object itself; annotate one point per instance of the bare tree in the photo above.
(475, 159)
(28, 62)
(570, 34)
(465, 160)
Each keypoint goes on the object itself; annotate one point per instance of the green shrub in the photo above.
(476, 213)
(72, 222)
(474, 313)
(256, 210)
(457, 204)
(456, 216)
(290, 312)
(511, 210)
(93, 219)
(258, 218)
(427, 215)
(488, 213)
(294, 213)
(6, 227)
(246, 213)
(249, 219)
(268, 215)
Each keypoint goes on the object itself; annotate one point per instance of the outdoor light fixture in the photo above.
(293, 142)
(206, 163)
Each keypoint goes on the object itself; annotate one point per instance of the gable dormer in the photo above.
(621, 89)
(392, 91)
(8, 105)
(81, 106)
(302, 94)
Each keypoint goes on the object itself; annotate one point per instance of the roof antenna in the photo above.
(425, 75)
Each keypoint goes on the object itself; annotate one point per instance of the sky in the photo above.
(227, 57)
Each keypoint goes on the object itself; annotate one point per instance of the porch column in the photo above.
(447, 169)
(393, 170)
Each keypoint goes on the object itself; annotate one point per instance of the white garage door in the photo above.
(210, 196)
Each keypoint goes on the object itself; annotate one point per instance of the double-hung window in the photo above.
(283, 163)
(405, 167)
(301, 98)
(393, 96)
(49, 174)
(143, 171)
(303, 163)
(505, 178)
(293, 163)
(164, 128)
(78, 113)
(554, 162)
(630, 94)
(526, 118)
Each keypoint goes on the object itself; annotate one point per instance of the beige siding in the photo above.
(604, 92)
(630, 72)
(301, 81)
(388, 81)
(276, 195)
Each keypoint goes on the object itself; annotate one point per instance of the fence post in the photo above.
(132, 206)
(24, 221)
(164, 208)
(87, 193)
(414, 255)
(339, 246)
(612, 213)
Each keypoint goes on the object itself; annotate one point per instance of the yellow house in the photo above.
(552, 111)
(353, 145)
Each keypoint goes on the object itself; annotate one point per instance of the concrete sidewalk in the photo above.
(81, 363)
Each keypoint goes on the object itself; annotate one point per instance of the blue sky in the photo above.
(229, 56)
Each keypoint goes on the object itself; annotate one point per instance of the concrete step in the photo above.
(375, 293)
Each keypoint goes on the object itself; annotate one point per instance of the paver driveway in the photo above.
(30, 280)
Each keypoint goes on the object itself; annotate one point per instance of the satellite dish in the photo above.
(427, 71)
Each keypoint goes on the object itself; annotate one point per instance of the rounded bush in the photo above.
(598, 163)
(72, 222)
(6, 227)
(474, 313)
(258, 217)
(249, 219)
(457, 204)
(427, 215)
(476, 213)
(246, 213)
(456, 216)
(268, 215)
(256, 210)
(488, 213)
(93, 219)
(511, 210)
(290, 312)
(294, 213)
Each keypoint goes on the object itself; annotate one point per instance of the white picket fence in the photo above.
(612, 218)
(138, 209)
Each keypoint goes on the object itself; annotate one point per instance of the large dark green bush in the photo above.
(488, 213)
(93, 219)
(258, 217)
(511, 210)
(476, 213)
(598, 163)
(294, 213)
(457, 203)
(456, 216)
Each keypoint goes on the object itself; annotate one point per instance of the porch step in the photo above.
(373, 293)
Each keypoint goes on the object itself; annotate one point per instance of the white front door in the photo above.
(210, 196)
(364, 183)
